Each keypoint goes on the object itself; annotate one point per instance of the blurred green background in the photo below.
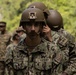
(10, 11)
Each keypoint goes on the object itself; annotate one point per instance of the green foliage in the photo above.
(10, 11)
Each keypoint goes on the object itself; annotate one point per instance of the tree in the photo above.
(10, 11)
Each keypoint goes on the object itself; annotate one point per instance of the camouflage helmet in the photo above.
(32, 14)
(40, 6)
(55, 20)
(2, 23)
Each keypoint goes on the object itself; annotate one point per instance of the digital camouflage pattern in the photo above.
(67, 45)
(70, 38)
(4, 41)
(11, 46)
(43, 60)
(62, 42)
(72, 49)
(9, 49)
(23, 36)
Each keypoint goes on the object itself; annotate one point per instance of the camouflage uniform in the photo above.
(12, 46)
(71, 53)
(21, 30)
(65, 41)
(70, 38)
(4, 41)
(68, 48)
(62, 42)
(23, 36)
(68, 59)
(41, 61)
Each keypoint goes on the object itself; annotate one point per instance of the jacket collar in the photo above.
(22, 47)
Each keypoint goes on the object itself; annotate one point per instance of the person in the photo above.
(15, 40)
(49, 32)
(55, 22)
(46, 12)
(21, 32)
(40, 6)
(4, 41)
(34, 55)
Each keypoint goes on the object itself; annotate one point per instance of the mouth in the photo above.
(33, 34)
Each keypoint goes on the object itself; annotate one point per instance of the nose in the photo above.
(32, 27)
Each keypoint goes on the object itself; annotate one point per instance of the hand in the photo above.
(47, 32)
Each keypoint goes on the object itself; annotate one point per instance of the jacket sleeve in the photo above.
(8, 61)
(71, 67)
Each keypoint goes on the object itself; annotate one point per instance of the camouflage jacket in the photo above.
(71, 39)
(23, 36)
(72, 49)
(63, 44)
(4, 41)
(11, 46)
(68, 48)
(43, 60)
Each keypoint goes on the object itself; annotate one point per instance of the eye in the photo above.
(36, 24)
(28, 24)
(18, 31)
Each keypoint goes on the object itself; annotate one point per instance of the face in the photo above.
(33, 29)
(19, 33)
(17, 37)
(2, 28)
